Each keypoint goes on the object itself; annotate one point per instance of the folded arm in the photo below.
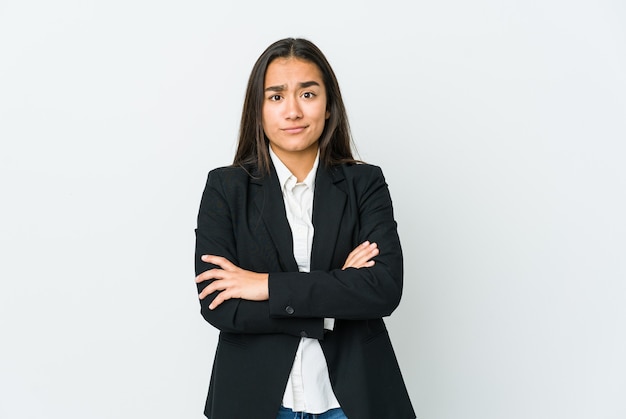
(233, 282)
(241, 301)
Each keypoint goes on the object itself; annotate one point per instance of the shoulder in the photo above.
(360, 180)
(228, 182)
(230, 174)
(229, 171)
(360, 169)
(362, 173)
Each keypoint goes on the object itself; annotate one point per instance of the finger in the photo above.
(204, 293)
(374, 251)
(356, 252)
(220, 285)
(219, 299)
(362, 256)
(366, 264)
(220, 261)
(361, 247)
(211, 274)
(211, 288)
(366, 252)
(362, 252)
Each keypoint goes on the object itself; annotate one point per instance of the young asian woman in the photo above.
(298, 257)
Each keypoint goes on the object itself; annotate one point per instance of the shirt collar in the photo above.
(285, 176)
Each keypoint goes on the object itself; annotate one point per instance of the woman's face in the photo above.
(294, 107)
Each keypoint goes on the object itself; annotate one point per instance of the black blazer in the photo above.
(242, 218)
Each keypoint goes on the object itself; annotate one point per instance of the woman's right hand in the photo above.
(362, 256)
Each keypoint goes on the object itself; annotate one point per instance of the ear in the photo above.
(327, 114)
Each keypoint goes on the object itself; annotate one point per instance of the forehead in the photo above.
(285, 70)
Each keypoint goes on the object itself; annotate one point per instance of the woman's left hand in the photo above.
(232, 282)
(362, 256)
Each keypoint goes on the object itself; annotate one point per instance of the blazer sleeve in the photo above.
(365, 293)
(214, 235)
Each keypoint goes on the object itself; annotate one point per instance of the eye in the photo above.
(275, 98)
(308, 95)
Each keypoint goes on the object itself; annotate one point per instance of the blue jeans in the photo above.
(285, 413)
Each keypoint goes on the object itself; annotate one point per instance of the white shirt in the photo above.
(308, 388)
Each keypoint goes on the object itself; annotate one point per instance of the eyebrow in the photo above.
(282, 87)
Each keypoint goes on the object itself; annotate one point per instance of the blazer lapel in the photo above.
(271, 206)
(328, 207)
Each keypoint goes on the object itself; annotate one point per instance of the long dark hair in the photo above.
(336, 140)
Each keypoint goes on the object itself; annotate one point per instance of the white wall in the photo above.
(500, 126)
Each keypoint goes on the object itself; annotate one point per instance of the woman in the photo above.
(298, 257)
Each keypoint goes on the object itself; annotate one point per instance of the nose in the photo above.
(293, 109)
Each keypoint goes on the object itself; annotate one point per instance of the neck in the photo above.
(300, 163)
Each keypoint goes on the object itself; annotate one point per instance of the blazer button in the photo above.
(289, 310)
(304, 334)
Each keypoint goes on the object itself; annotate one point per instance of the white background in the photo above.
(499, 124)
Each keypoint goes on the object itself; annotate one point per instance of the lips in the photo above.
(293, 130)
